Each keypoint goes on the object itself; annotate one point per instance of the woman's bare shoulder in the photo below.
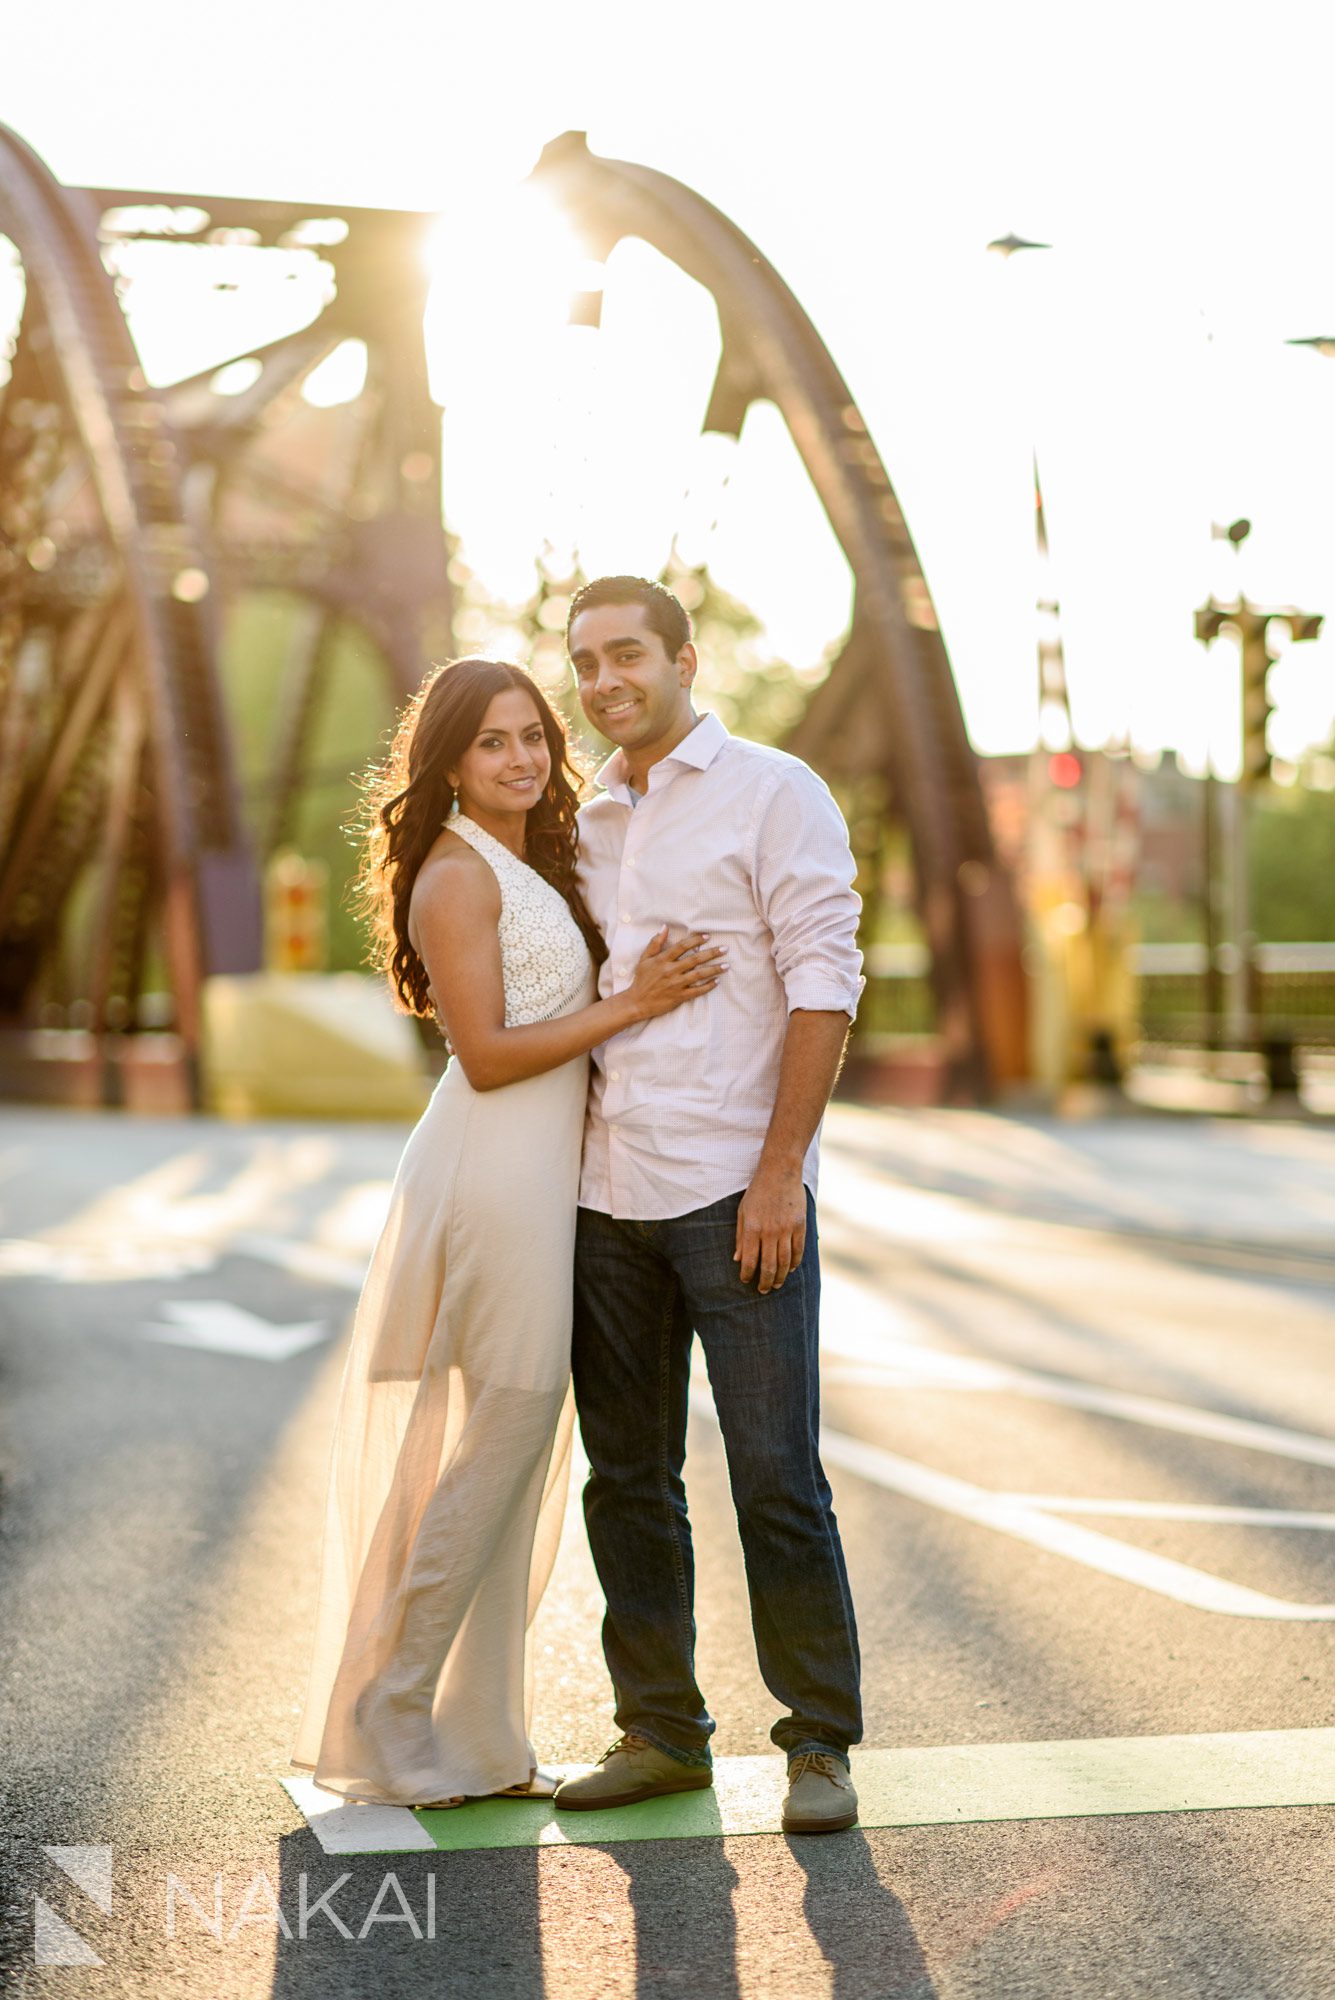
(455, 885)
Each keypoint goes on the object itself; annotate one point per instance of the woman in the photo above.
(452, 1444)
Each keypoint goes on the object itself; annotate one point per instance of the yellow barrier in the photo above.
(310, 1045)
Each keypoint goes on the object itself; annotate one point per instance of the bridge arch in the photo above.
(122, 840)
(890, 703)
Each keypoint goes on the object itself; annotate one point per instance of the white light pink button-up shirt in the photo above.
(747, 844)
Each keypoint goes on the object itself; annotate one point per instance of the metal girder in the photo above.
(358, 535)
(119, 804)
(212, 423)
(770, 347)
(106, 528)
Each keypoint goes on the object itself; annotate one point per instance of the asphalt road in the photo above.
(1082, 1313)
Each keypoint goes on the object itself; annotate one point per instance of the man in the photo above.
(697, 1210)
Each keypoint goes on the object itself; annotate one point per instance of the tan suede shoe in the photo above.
(632, 1769)
(821, 1798)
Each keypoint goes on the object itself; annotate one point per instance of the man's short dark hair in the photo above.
(662, 613)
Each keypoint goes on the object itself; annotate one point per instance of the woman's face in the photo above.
(506, 767)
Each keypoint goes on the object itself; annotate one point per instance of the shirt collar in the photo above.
(698, 751)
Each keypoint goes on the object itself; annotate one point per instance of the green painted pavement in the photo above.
(958, 1784)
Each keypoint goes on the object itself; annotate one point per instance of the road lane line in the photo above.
(911, 1364)
(864, 1343)
(1181, 1417)
(1012, 1516)
(1008, 1513)
(1174, 1510)
(942, 1785)
(1009, 1516)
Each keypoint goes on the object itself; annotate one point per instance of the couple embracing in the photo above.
(646, 1005)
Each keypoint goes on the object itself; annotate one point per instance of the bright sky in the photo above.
(1175, 155)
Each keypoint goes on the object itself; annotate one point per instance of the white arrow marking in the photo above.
(223, 1328)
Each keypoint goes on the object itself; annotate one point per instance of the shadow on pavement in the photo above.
(476, 1933)
(862, 1928)
(685, 1924)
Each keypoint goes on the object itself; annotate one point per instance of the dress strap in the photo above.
(486, 844)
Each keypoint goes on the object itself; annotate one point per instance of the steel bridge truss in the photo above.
(130, 517)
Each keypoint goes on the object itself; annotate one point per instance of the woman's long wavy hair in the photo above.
(407, 799)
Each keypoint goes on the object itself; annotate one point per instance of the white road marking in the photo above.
(868, 1331)
(165, 1223)
(344, 1828)
(1013, 1517)
(102, 1263)
(1173, 1510)
(909, 1366)
(222, 1328)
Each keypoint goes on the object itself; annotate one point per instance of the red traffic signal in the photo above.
(1065, 770)
(296, 896)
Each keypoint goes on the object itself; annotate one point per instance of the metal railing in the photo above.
(898, 999)
(1295, 987)
(1295, 992)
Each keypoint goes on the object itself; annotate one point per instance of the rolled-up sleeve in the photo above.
(804, 871)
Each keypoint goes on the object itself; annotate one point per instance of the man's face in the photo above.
(629, 686)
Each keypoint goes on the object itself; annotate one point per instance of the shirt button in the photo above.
(615, 1075)
(625, 917)
(630, 861)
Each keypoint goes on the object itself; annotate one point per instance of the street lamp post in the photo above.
(1219, 908)
(1214, 988)
(1077, 812)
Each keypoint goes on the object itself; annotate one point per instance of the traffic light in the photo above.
(1065, 770)
(1257, 660)
(1252, 624)
(296, 893)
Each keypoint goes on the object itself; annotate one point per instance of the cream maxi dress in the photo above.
(452, 1445)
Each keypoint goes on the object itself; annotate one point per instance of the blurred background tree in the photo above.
(755, 694)
(1293, 854)
(352, 727)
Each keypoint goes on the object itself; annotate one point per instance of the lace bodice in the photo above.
(544, 959)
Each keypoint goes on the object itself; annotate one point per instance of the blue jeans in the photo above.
(641, 1288)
